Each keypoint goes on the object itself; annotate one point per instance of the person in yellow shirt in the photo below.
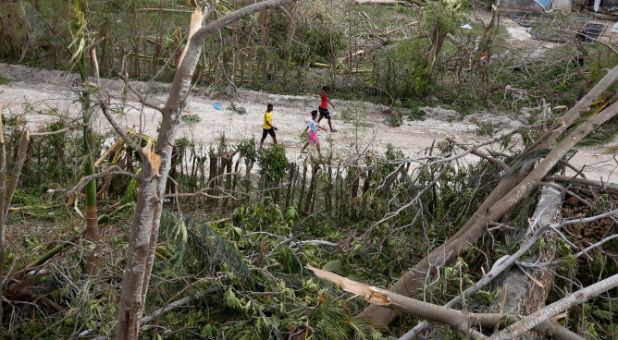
(268, 128)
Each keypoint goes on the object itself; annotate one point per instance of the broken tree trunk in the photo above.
(555, 308)
(498, 267)
(527, 293)
(462, 322)
(157, 163)
(501, 200)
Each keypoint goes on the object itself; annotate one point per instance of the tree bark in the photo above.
(153, 179)
(555, 308)
(523, 296)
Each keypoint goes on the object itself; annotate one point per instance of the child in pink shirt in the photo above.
(312, 137)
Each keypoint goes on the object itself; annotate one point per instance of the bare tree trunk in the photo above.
(328, 199)
(290, 190)
(557, 307)
(227, 161)
(523, 296)
(312, 185)
(302, 188)
(212, 175)
(153, 178)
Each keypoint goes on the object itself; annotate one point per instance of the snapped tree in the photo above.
(156, 167)
(521, 179)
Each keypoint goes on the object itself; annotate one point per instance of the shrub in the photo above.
(273, 164)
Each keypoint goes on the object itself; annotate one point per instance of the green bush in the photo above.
(273, 164)
(395, 118)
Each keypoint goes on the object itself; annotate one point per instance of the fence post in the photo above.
(290, 185)
(302, 187)
(212, 175)
(312, 184)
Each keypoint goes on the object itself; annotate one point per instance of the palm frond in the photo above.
(193, 239)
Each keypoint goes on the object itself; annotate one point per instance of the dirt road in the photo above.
(42, 90)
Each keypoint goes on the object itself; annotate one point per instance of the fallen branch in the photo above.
(481, 154)
(384, 298)
(379, 2)
(595, 245)
(574, 180)
(460, 321)
(556, 308)
(583, 105)
(164, 10)
(506, 262)
(113, 171)
(111, 149)
(178, 303)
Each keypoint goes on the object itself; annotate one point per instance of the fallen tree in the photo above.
(516, 185)
(547, 209)
(557, 307)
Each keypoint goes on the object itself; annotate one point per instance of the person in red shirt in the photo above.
(323, 109)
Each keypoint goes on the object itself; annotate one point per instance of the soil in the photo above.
(45, 89)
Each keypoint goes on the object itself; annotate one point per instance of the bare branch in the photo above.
(122, 134)
(481, 154)
(113, 171)
(229, 18)
(143, 100)
(602, 185)
(555, 308)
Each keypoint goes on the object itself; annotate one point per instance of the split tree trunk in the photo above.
(462, 322)
(522, 295)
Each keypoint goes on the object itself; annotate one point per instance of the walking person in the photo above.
(323, 109)
(312, 137)
(267, 127)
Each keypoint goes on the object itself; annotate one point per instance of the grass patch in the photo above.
(4, 81)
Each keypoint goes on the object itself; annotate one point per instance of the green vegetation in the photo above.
(4, 81)
(240, 224)
(437, 61)
(251, 265)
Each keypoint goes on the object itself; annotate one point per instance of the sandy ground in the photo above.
(43, 89)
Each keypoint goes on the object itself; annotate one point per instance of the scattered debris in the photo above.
(440, 113)
(542, 33)
(238, 109)
(523, 20)
(591, 32)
